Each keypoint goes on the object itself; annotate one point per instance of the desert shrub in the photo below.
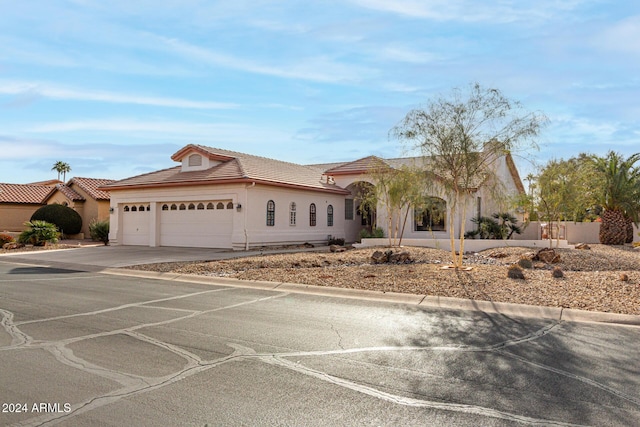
(66, 219)
(5, 238)
(498, 226)
(515, 272)
(557, 273)
(99, 231)
(525, 263)
(39, 233)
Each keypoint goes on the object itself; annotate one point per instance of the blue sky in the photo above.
(115, 88)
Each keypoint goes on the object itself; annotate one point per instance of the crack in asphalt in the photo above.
(136, 384)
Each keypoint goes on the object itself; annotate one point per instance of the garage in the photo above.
(201, 224)
(135, 224)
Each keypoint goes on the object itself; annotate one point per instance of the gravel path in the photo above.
(604, 278)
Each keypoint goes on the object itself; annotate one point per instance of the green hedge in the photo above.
(66, 219)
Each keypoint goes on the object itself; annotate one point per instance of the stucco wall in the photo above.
(253, 201)
(13, 216)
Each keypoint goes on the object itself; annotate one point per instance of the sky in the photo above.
(114, 88)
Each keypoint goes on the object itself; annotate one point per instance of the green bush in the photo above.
(99, 231)
(66, 219)
(376, 233)
(39, 233)
(5, 238)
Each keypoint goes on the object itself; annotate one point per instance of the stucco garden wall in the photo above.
(13, 216)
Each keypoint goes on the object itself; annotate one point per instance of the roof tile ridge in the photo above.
(144, 174)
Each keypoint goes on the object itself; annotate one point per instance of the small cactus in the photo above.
(557, 273)
(515, 272)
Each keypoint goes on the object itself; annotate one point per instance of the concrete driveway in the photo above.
(99, 257)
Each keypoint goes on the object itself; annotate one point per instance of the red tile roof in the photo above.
(25, 193)
(69, 193)
(91, 185)
(235, 167)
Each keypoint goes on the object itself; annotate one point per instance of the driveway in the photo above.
(96, 258)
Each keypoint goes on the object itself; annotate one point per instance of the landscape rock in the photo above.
(548, 255)
(336, 248)
(582, 246)
(497, 254)
(12, 245)
(624, 277)
(400, 257)
(379, 257)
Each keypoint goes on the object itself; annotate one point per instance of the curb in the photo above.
(502, 308)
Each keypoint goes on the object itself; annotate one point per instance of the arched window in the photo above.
(165, 207)
(134, 209)
(141, 208)
(174, 207)
(192, 207)
(431, 215)
(182, 207)
(330, 216)
(200, 206)
(312, 215)
(230, 205)
(126, 208)
(210, 205)
(149, 207)
(292, 213)
(271, 213)
(220, 205)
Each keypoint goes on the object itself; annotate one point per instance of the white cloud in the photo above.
(78, 94)
(319, 68)
(621, 36)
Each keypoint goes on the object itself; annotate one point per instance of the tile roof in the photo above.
(24, 193)
(69, 193)
(357, 166)
(91, 185)
(49, 182)
(235, 167)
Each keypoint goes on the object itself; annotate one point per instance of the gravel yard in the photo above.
(593, 279)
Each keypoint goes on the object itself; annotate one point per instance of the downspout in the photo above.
(246, 204)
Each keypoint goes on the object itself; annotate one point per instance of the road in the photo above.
(84, 348)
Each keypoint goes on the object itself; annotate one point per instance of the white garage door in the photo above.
(135, 225)
(207, 224)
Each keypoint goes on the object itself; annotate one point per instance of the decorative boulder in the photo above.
(379, 257)
(400, 257)
(336, 248)
(583, 246)
(547, 255)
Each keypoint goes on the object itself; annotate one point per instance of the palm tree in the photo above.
(619, 196)
(61, 168)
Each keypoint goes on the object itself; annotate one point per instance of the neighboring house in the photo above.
(82, 195)
(224, 199)
(19, 201)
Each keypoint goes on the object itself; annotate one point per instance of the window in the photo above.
(330, 216)
(271, 213)
(191, 207)
(348, 209)
(220, 205)
(292, 213)
(182, 207)
(431, 216)
(141, 208)
(149, 207)
(165, 207)
(210, 205)
(200, 206)
(312, 215)
(126, 208)
(174, 207)
(134, 209)
(230, 205)
(195, 160)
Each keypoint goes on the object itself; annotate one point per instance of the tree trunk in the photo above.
(629, 230)
(613, 230)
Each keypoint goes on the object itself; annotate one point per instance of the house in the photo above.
(224, 199)
(19, 201)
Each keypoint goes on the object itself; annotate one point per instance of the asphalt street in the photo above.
(82, 348)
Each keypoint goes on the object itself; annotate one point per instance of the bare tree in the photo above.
(461, 136)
